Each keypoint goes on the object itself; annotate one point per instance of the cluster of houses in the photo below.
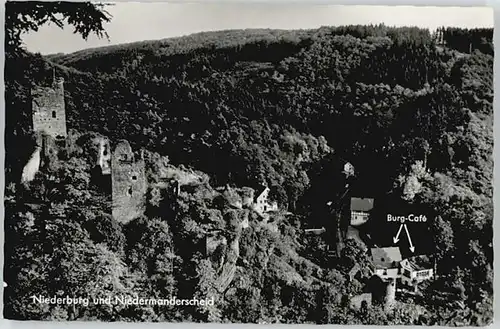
(387, 265)
(387, 262)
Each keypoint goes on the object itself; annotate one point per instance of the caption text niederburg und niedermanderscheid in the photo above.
(122, 300)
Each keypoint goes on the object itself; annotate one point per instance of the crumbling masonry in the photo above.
(128, 182)
(128, 175)
(104, 156)
(49, 125)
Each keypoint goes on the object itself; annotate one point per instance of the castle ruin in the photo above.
(390, 294)
(48, 110)
(128, 183)
(127, 176)
(50, 149)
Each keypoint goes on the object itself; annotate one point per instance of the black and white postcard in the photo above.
(248, 163)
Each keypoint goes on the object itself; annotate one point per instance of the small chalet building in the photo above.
(386, 262)
(416, 269)
(360, 210)
(348, 169)
(262, 203)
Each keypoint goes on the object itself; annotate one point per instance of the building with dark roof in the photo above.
(386, 262)
(360, 210)
(388, 266)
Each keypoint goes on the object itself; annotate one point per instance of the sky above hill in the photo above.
(136, 21)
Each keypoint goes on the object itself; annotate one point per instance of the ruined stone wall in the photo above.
(48, 108)
(104, 156)
(49, 150)
(129, 185)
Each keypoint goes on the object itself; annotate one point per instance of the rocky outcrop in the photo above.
(32, 167)
(229, 267)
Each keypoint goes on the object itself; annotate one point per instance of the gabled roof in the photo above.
(417, 263)
(258, 188)
(361, 204)
(384, 257)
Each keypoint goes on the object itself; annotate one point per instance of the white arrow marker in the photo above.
(412, 248)
(396, 238)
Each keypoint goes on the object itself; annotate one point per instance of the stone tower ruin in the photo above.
(48, 109)
(128, 183)
(390, 294)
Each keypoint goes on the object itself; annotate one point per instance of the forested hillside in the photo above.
(286, 108)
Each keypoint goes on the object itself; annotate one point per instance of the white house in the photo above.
(348, 169)
(416, 269)
(360, 210)
(262, 203)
